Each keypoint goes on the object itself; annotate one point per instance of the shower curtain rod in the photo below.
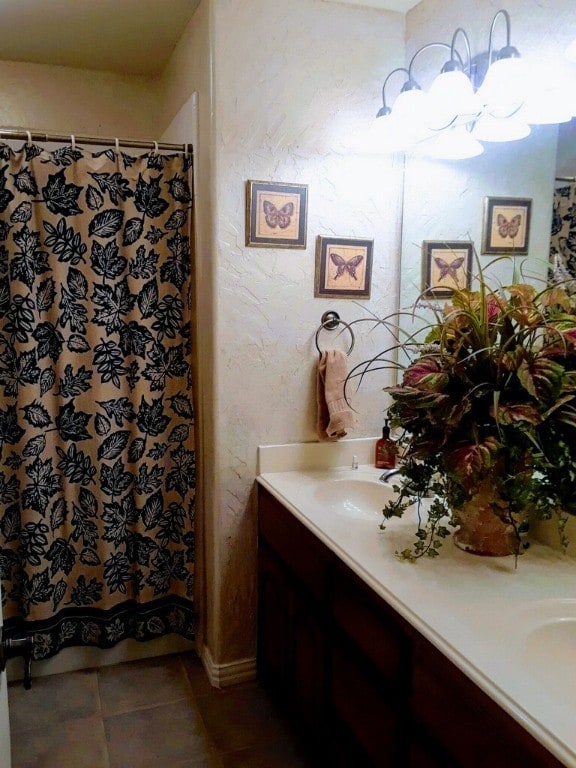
(565, 178)
(39, 136)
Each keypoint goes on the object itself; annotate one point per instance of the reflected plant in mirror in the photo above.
(486, 408)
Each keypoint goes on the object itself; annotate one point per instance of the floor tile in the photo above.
(241, 716)
(196, 674)
(158, 737)
(78, 743)
(280, 754)
(146, 683)
(53, 699)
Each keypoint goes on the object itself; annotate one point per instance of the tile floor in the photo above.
(156, 713)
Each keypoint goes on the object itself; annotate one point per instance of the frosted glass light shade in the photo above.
(547, 108)
(489, 128)
(452, 144)
(451, 95)
(392, 135)
(505, 87)
(410, 107)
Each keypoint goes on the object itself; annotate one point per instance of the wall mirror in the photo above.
(445, 199)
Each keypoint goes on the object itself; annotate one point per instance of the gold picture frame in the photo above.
(276, 214)
(343, 268)
(506, 226)
(446, 266)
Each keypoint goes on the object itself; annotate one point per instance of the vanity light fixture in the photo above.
(454, 143)
(452, 94)
(506, 82)
(492, 97)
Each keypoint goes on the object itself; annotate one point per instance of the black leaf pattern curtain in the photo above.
(563, 237)
(97, 463)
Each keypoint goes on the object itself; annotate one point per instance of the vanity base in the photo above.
(366, 687)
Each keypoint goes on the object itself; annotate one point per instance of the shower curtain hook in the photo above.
(73, 141)
(117, 145)
(156, 147)
(29, 137)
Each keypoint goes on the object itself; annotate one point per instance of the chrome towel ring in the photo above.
(329, 322)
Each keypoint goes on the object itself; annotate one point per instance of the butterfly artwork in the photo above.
(508, 228)
(276, 214)
(448, 268)
(277, 217)
(345, 265)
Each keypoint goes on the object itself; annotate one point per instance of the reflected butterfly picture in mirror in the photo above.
(506, 225)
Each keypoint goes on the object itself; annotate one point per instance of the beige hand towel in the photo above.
(335, 416)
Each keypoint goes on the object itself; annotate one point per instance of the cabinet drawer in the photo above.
(373, 627)
(302, 552)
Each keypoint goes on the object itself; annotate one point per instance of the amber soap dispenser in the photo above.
(385, 450)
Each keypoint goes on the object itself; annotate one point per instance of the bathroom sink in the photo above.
(360, 498)
(547, 630)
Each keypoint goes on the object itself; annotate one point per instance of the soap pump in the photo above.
(385, 450)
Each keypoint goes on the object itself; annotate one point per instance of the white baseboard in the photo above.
(81, 657)
(231, 673)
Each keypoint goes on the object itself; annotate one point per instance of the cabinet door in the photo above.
(362, 704)
(291, 640)
(370, 670)
(308, 661)
(275, 612)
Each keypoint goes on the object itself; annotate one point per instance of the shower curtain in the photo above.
(97, 460)
(563, 237)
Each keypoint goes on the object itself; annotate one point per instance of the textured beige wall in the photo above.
(190, 71)
(66, 100)
(296, 87)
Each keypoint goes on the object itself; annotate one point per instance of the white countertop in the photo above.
(476, 610)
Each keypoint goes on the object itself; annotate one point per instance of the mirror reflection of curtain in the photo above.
(563, 236)
(97, 463)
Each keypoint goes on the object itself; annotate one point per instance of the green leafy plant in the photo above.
(489, 395)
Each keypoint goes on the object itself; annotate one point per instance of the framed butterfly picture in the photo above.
(447, 267)
(506, 225)
(343, 268)
(276, 214)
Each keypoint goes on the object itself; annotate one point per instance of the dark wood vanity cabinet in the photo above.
(365, 686)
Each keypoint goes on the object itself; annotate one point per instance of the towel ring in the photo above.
(329, 322)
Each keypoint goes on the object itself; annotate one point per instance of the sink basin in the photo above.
(357, 498)
(548, 628)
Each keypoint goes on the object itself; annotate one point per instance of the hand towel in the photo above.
(335, 416)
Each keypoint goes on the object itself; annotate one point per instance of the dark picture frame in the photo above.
(276, 214)
(343, 268)
(446, 266)
(506, 225)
